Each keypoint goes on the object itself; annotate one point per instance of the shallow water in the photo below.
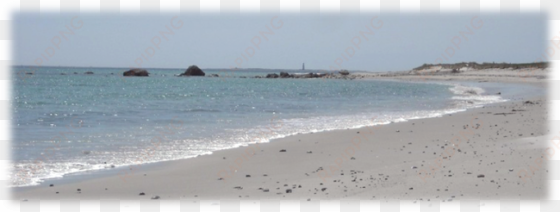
(75, 122)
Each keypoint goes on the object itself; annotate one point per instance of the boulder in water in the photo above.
(136, 73)
(284, 75)
(193, 71)
(273, 75)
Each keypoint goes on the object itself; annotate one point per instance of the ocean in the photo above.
(65, 121)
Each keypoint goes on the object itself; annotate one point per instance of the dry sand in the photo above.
(436, 159)
(526, 75)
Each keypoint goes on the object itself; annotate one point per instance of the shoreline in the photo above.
(166, 168)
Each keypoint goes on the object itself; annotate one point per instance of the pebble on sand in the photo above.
(142, 194)
(480, 176)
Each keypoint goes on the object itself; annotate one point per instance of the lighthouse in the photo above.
(303, 66)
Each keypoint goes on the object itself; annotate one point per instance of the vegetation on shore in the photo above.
(478, 66)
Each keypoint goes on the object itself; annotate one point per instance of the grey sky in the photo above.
(286, 40)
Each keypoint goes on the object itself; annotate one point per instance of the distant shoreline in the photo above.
(424, 66)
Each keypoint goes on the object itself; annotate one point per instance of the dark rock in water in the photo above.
(480, 176)
(214, 75)
(29, 73)
(51, 185)
(272, 75)
(75, 72)
(136, 73)
(142, 194)
(89, 72)
(344, 72)
(62, 73)
(284, 75)
(193, 71)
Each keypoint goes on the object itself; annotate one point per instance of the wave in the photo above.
(470, 96)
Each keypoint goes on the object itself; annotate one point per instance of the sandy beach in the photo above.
(482, 153)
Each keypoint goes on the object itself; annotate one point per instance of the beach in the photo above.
(482, 153)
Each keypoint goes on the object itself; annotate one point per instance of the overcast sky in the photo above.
(283, 41)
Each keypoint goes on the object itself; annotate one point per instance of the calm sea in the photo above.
(65, 122)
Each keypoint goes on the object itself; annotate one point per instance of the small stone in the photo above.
(142, 194)
(480, 176)
(283, 150)
(155, 197)
(51, 185)
(288, 191)
(247, 175)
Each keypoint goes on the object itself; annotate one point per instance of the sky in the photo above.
(367, 42)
